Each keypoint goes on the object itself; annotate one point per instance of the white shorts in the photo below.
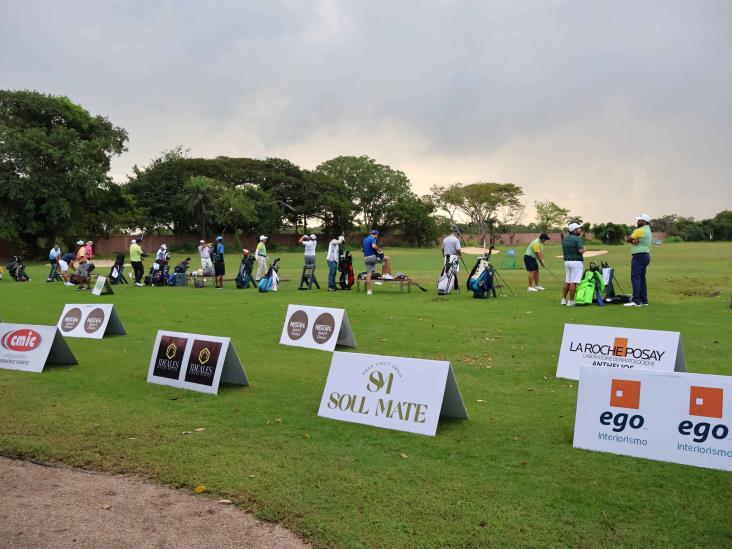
(573, 272)
(63, 265)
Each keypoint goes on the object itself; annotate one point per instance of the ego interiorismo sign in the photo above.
(405, 394)
(677, 417)
(624, 348)
(316, 328)
(29, 347)
(195, 362)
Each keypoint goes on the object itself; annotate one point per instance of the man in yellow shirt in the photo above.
(136, 255)
(640, 250)
(532, 257)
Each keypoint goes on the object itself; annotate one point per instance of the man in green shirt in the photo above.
(136, 255)
(572, 248)
(532, 257)
(640, 250)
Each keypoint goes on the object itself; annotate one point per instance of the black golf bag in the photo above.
(16, 269)
(345, 266)
(244, 278)
(158, 275)
(608, 277)
(178, 276)
(116, 274)
(482, 278)
(448, 277)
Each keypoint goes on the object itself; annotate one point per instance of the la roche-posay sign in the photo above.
(619, 348)
(676, 417)
(316, 328)
(29, 347)
(90, 321)
(405, 394)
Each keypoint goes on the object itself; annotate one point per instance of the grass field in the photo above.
(508, 476)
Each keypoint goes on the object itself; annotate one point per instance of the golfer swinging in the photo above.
(532, 257)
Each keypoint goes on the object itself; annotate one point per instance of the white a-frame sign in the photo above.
(314, 328)
(90, 321)
(102, 286)
(195, 362)
(405, 394)
(28, 347)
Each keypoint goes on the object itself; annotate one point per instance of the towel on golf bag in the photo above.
(590, 288)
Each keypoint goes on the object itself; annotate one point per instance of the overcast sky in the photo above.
(610, 109)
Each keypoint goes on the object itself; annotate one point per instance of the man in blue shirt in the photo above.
(372, 255)
(219, 268)
(53, 256)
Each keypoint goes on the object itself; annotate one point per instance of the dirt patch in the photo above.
(60, 507)
(478, 251)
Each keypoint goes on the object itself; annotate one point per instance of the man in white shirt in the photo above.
(309, 242)
(451, 251)
(334, 251)
(204, 250)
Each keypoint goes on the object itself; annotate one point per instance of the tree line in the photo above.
(55, 187)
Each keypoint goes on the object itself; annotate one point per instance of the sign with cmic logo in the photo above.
(316, 328)
(29, 347)
(618, 348)
(195, 362)
(677, 417)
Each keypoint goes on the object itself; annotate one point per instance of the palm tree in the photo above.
(199, 192)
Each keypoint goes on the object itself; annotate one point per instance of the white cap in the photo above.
(644, 217)
(313, 237)
(80, 243)
(163, 246)
(133, 241)
(573, 227)
(262, 238)
(201, 241)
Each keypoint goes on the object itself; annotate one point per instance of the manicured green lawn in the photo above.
(508, 476)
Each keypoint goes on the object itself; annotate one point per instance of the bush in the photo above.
(673, 239)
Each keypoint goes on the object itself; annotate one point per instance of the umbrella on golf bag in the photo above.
(345, 266)
(448, 276)
(271, 281)
(482, 278)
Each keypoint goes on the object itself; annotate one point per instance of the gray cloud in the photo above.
(606, 107)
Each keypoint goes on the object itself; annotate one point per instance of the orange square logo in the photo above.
(706, 401)
(625, 393)
(620, 346)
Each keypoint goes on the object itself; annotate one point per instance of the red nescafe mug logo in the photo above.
(297, 325)
(323, 328)
(71, 320)
(94, 321)
(21, 341)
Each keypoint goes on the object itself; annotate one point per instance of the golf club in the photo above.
(552, 273)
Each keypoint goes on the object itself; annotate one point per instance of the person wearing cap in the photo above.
(532, 257)
(162, 257)
(372, 255)
(572, 248)
(136, 255)
(640, 239)
(204, 250)
(219, 268)
(63, 263)
(260, 254)
(82, 265)
(334, 253)
(451, 250)
(310, 242)
(53, 257)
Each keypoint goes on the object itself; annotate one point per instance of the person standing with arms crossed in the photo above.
(334, 251)
(640, 239)
(573, 248)
(260, 254)
(219, 267)
(532, 257)
(136, 255)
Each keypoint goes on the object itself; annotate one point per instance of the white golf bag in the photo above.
(446, 282)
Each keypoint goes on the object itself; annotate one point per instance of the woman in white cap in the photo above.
(640, 250)
(260, 254)
(573, 248)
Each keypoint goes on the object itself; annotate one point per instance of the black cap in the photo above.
(544, 236)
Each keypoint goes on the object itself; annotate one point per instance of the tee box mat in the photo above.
(195, 362)
(90, 321)
(29, 347)
(315, 328)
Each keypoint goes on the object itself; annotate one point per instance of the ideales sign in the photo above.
(682, 418)
(90, 321)
(316, 328)
(618, 348)
(405, 394)
(196, 362)
(28, 347)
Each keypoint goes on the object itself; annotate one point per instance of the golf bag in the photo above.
(448, 277)
(158, 275)
(178, 276)
(244, 278)
(608, 277)
(16, 269)
(116, 274)
(482, 278)
(271, 281)
(591, 287)
(345, 266)
(76, 279)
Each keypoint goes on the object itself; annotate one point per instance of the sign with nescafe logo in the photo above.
(170, 356)
(70, 320)
(29, 347)
(90, 321)
(202, 361)
(195, 362)
(316, 328)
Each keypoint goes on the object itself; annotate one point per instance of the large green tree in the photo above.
(54, 164)
(550, 215)
(482, 202)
